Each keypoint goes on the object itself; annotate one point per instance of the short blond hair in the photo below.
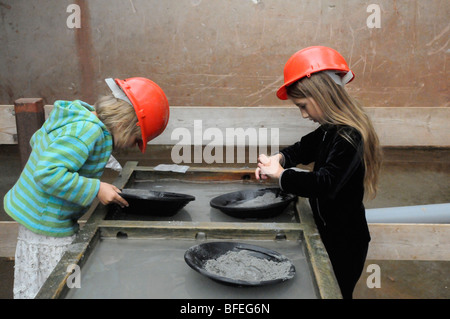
(119, 118)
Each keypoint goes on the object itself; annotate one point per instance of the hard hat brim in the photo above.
(282, 93)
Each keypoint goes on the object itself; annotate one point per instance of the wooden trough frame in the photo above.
(97, 227)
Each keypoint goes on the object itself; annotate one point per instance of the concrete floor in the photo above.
(409, 177)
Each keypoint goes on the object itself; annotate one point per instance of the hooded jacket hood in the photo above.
(67, 112)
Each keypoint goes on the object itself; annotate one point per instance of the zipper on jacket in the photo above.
(318, 211)
(317, 199)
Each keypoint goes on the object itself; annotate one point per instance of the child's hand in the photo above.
(108, 194)
(268, 167)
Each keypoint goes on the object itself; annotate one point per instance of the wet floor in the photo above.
(408, 177)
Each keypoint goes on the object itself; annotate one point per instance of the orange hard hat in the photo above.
(149, 102)
(312, 60)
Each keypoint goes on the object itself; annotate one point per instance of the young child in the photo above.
(346, 155)
(61, 178)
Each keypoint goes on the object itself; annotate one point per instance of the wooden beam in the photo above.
(29, 114)
(393, 124)
(210, 230)
(8, 238)
(409, 242)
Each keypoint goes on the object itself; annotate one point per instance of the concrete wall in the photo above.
(222, 52)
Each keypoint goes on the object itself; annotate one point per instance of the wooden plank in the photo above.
(397, 241)
(205, 174)
(409, 242)
(389, 241)
(8, 130)
(30, 117)
(209, 230)
(393, 125)
(412, 126)
(8, 238)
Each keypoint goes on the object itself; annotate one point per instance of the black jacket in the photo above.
(335, 187)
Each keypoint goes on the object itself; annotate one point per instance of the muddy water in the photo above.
(200, 209)
(155, 268)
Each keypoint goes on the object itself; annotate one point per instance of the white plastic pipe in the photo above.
(420, 214)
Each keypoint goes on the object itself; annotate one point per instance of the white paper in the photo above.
(172, 168)
(114, 164)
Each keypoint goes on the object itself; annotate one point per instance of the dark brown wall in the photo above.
(222, 52)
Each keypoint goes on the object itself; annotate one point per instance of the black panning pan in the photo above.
(245, 204)
(197, 257)
(143, 201)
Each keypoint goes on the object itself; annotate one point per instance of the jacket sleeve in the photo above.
(57, 171)
(303, 152)
(341, 162)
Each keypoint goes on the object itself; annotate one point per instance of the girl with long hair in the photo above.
(346, 155)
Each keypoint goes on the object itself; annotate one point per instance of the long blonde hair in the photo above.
(339, 108)
(119, 118)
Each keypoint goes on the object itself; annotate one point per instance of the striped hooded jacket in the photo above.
(61, 177)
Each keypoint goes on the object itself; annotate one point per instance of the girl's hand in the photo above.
(108, 194)
(268, 167)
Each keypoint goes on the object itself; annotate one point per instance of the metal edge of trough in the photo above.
(320, 264)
